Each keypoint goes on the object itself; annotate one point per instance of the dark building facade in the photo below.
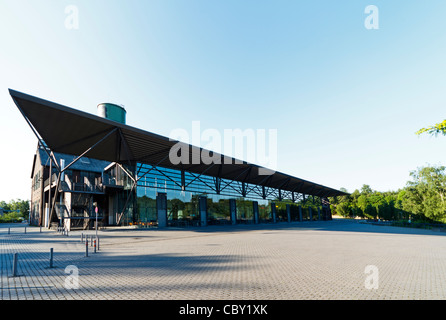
(85, 190)
(157, 200)
(90, 168)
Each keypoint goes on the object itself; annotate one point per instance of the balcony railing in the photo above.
(111, 181)
(85, 187)
(67, 185)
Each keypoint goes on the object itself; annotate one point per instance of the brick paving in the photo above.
(320, 260)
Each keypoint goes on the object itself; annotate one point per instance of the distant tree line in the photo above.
(422, 199)
(14, 210)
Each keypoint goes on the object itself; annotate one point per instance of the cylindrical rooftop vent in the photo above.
(112, 111)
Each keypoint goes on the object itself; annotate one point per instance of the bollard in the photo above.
(98, 242)
(40, 229)
(86, 247)
(14, 265)
(9, 230)
(51, 257)
(25, 230)
(82, 237)
(95, 246)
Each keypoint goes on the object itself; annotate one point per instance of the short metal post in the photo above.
(14, 265)
(40, 229)
(98, 242)
(51, 257)
(95, 246)
(25, 230)
(9, 230)
(86, 247)
(82, 237)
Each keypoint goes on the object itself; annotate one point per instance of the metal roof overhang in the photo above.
(71, 131)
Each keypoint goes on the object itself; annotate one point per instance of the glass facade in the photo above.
(265, 212)
(147, 214)
(225, 202)
(152, 196)
(245, 210)
(218, 210)
(182, 208)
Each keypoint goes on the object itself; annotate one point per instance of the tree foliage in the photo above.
(18, 205)
(15, 210)
(434, 130)
(423, 198)
(425, 194)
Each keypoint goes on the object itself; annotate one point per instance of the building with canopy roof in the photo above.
(101, 166)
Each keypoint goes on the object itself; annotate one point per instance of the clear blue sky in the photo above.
(346, 101)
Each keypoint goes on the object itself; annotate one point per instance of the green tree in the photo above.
(425, 195)
(4, 205)
(370, 211)
(366, 189)
(343, 209)
(21, 207)
(434, 130)
(362, 202)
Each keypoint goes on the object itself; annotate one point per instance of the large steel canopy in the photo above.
(70, 131)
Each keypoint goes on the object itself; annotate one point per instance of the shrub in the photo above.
(11, 217)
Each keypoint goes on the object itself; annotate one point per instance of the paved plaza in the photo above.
(320, 260)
